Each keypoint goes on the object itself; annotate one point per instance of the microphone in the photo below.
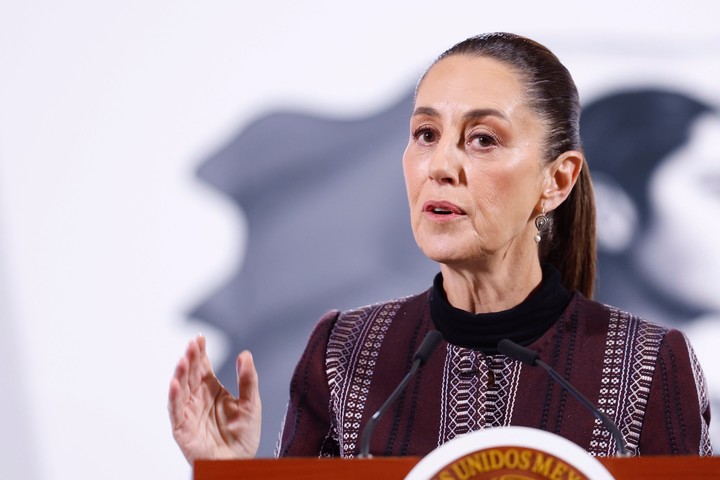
(428, 345)
(531, 357)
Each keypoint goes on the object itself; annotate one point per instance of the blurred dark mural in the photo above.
(654, 155)
(651, 263)
(328, 226)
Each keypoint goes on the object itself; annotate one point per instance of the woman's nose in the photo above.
(445, 165)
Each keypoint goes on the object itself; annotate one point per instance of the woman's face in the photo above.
(679, 251)
(473, 163)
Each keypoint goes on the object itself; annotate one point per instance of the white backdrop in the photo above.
(107, 239)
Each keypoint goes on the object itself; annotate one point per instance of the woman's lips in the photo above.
(442, 210)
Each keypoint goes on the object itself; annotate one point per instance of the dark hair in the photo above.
(551, 93)
(628, 134)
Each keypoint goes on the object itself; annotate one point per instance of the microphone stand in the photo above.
(531, 357)
(431, 340)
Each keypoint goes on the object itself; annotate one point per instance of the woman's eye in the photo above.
(483, 140)
(425, 135)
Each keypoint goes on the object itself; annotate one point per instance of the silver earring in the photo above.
(541, 223)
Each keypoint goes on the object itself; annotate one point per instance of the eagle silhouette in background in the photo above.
(328, 228)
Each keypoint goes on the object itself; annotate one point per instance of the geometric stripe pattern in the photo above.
(629, 362)
(478, 391)
(350, 369)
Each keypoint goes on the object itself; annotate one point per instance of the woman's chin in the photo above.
(448, 255)
(452, 248)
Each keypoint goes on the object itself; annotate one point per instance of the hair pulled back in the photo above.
(551, 93)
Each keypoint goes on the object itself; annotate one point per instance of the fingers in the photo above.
(178, 392)
(187, 377)
(194, 355)
(248, 390)
(175, 404)
(198, 363)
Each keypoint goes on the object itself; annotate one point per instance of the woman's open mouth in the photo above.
(442, 209)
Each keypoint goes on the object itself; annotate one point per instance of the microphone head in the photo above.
(428, 345)
(513, 350)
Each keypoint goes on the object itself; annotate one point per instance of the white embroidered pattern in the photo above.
(350, 363)
(631, 351)
(478, 391)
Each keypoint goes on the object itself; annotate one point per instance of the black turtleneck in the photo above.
(522, 324)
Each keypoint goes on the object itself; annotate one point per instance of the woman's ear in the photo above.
(616, 215)
(562, 174)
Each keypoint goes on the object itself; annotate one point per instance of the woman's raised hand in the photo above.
(208, 422)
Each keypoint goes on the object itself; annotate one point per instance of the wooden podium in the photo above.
(636, 468)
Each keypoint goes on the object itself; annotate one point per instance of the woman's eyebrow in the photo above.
(485, 112)
(429, 111)
(468, 116)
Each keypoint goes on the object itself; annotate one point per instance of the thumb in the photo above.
(247, 378)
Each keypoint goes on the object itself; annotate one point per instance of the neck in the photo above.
(491, 288)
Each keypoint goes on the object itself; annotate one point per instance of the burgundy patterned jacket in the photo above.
(643, 376)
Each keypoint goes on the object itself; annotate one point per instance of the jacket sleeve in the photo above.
(678, 413)
(308, 429)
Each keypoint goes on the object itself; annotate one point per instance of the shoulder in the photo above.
(384, 311)
(671, 344)
(337, 327)
(666, 352)
(659, 397)
(600, 314)
(360, 335)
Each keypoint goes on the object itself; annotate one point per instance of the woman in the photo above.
(500, 199)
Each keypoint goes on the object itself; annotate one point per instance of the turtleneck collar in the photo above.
(522, 324)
